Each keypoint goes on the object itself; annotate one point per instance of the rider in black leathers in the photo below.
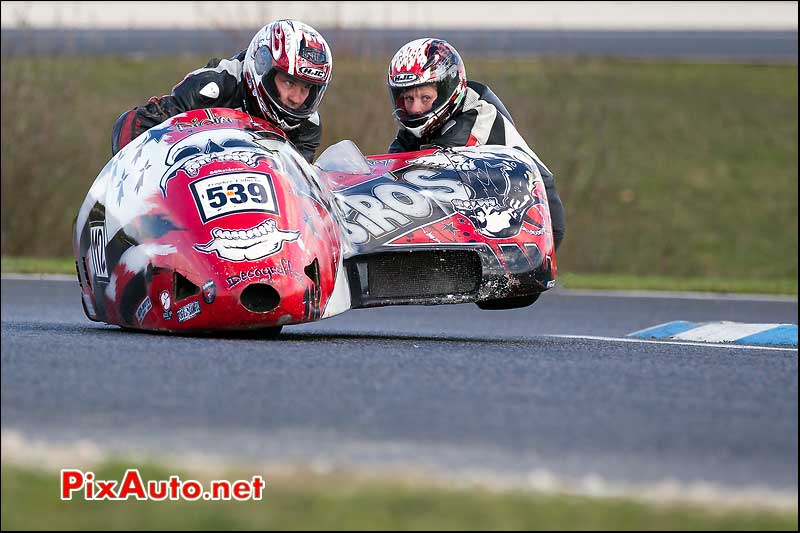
(457, 112)
(254, 81)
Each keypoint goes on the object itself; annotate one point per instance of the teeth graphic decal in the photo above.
(203, 147)
(484, 203)
(247, 245)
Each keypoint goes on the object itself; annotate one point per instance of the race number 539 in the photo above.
(222, 195)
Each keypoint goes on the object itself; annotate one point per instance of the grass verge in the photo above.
(665, 168)
(30, 500)
(37, 265)
(660, 283)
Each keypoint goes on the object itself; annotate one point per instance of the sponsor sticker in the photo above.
(264, 273)
(166, 301)
(241, 192)
(405, 77)
(311, 72)
(166, 304)
(209, 292)
(143, 309)
(541, 231)
(315, 55)
(188, 311)
(211, 91)
(97, 250)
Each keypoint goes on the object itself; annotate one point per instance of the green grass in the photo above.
(36, 265)
(675, 170)
(30, 500)
(656, 283)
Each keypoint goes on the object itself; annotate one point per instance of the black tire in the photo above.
(254, 334)
(508, 303)
(270, 333)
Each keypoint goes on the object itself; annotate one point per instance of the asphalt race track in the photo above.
(450, 388)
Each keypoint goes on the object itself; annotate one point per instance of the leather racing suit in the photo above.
(483, 119)
(218, 84)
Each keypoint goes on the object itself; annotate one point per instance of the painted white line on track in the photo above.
(695, 344)
(723, 332)
(737, 332)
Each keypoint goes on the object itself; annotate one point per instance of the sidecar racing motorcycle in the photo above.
(212, 221)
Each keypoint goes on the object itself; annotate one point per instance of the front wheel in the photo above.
(508, 303)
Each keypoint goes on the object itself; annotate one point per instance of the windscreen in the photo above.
(345, 157)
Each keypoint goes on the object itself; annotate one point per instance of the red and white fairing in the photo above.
(190, 214)
(212, 221)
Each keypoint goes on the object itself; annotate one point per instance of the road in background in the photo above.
(739, 46)
(597, 15)
(729, 31)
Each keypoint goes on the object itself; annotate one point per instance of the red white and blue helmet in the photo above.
(427, 62)
(296, 49)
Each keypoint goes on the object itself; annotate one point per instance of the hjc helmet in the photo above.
(427, 62)
(296, 49)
